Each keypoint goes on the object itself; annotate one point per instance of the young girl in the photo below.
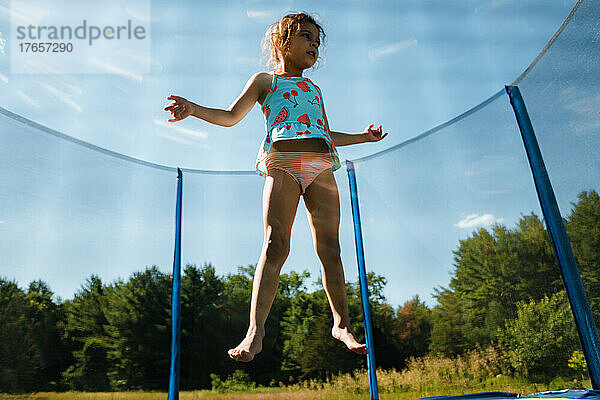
(297, 157)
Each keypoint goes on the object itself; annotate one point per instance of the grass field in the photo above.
(475, 371)
(327, 393)
(207, 395)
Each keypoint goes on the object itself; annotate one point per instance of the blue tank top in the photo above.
(293, 110)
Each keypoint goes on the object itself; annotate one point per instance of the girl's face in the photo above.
(303, 46)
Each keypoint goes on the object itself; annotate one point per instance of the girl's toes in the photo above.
(233, 353)
(360, 349)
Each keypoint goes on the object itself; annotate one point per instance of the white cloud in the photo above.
(2, 44)
(39, 67)
(392, 48)
(143, 13)
(113, 69)
(259, 14)
(4, 78)
(182, 135)
(489, 165)
(474, 220)
(22, 12)
(176, 139)
(185, 131)
(490, 6)
(62, 96)
(27, 99)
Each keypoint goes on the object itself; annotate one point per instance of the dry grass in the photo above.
(195, 395)
(476, 371)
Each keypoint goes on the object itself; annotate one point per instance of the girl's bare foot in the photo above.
(248, 348)
(346, 337)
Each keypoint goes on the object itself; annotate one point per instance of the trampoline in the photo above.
(405, 209)
(555, 394)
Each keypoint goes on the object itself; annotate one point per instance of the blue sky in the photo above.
(407, 65)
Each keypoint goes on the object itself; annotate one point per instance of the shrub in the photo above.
(239, 381)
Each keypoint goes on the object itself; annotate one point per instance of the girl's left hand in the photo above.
(373, 135)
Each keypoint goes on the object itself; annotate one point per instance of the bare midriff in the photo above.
(311, 144)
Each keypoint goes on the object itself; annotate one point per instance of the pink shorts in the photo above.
(303, 166)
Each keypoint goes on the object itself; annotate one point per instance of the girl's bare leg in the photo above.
(281, 194)
(323, 206)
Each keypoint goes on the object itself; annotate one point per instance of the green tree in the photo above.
(578, 364)
(19, 358)
(309, 349)
(484, 275)
(297, 324)
(291, 285)
(237, 293)
(389, 350)
(323, 356)
(414, 328)
(540, 340)
(239, 381)
(399, 335)
(45, 316)
(85, 330)
(537, 272)
(138, 314)
(494, 270)
(203, 324)
(583, 227)
(90, 371)
(447, 325)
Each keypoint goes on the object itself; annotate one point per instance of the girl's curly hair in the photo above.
(278, 36)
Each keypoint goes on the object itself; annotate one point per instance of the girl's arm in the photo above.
(254, 88)
(368, 135)
(345, 139)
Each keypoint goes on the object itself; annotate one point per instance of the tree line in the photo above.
(505, 291)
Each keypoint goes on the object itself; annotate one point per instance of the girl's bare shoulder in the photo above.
(263, 82)
(263, 79)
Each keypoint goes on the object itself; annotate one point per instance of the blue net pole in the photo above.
(364, 290)
(176, 298)
(584, 320)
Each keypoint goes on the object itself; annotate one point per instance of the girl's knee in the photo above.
(277, 245)
(328, 247)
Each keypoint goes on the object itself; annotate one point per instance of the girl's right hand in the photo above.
(180, 108)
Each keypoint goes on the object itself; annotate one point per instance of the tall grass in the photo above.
(475, 371)
(190, 395)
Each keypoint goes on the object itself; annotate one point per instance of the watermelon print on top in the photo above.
(293, 109)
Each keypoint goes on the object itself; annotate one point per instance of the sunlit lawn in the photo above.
(207, 395)
(476, 371)
(204, 395)
(266, 393)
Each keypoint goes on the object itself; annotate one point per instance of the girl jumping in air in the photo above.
(297, 157)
